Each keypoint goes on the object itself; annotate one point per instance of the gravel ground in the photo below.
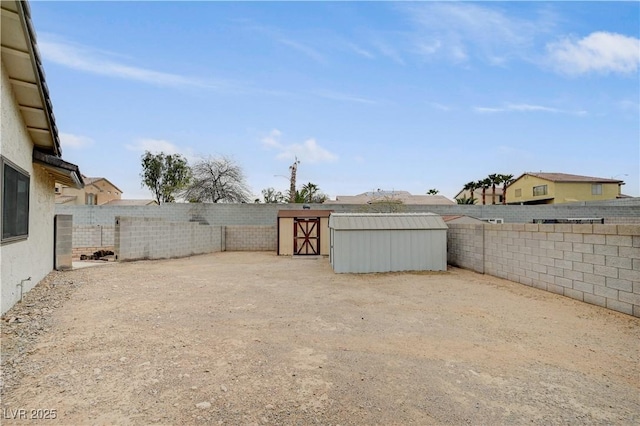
(252, 338)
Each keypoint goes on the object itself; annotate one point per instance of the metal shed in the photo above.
(303, 232)
(385, 242)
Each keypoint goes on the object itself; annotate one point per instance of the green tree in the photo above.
(165, 175)
(494, 179)
(309, 193)
(271, 196)
(471, 187)
(465, 200)
(506, 181)
(433, 191)
(484, 184)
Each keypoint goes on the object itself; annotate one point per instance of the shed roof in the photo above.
(304, 213)
(386, 221)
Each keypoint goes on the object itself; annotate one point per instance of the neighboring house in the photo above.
(96, 191)
(400, 197)
(30, 159)
(477, 194)
(557, 188)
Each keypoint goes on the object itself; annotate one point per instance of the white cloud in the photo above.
(271, 141)
(430, 48)
(360, 51)
(460, 30)
(337, 96)
(308, 151)
(627, 105)
(440, 106)
(600, 52)
(154, 146)
(489, 110)
(526, 108)
(91, 60)
(309, 51)
(71, 141)
(388, 51)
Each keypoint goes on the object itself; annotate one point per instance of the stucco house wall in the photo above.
(32, 257)
(567, 192)
(558, 192)
(103, 190)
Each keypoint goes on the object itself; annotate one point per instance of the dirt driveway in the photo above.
(252, 338)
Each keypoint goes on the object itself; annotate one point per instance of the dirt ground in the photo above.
(252, 338)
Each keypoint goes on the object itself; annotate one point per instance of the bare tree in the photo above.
(217, 180)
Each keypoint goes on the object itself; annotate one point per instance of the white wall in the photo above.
(32, 257)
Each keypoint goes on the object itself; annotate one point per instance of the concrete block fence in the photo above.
(251, 238)
(597, 264)
(87, 239)
(63, 229)
(153, 238)
(266, 214)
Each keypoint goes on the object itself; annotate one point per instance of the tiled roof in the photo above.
(92, 180)
(403, 197)
(565, 177)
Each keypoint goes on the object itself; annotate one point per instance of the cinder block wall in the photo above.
(153, 238)
(63, 241)
(266, 214)
(93, 225)
(597, 264)
(87, 239)
(251, 238)
(465, 247)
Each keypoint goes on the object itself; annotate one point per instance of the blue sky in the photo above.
(390, 95)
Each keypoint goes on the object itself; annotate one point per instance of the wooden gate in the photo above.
(306, 236)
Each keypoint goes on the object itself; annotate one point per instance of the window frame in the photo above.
(593, 189)
(518, 193)
(544, 188)
(22, 173)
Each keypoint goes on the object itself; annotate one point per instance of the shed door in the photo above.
(306, 236)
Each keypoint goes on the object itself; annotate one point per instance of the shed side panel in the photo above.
(285, 244)
(362, 251)
(324, 236)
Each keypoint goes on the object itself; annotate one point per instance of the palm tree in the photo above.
(484, 184)
(471, 187)
(309, 193)
(494, 179)
(465, 200)
(433, 192)
(506, 180)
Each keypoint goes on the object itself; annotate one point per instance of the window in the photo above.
(15, 202)
(539, 190)
(518, 192)
(91, 199)
(596, 189)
